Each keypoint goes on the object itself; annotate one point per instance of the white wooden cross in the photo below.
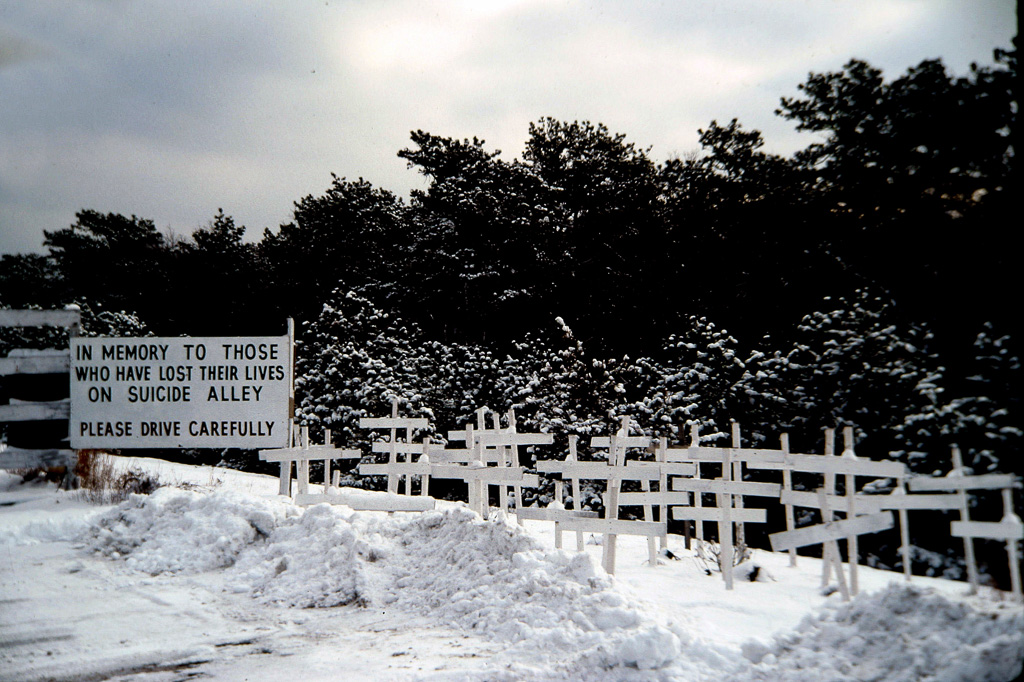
(613, 473)
(394, 447)
(903, 503)
(507, 442)
(556, 511)
(1009, 528)
(483, 447)
(617, 446)
(728, 491)
(753, 458)
(301, 453)
(852, 504)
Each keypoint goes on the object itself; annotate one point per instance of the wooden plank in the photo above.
(315, 452)
(821, 464)
(19, 458)
(904, 501)
(499, 438)
(400, 447)
(599, 471)
(1003, 530)
(484, 474)
(716, 485)
(708, 454)
(615, 526)
(677, 468)
(28, 412)
(439, 455)
(622, 442)
(982, 482)
(393, 422)
(385, 502)
(746, 515)
(867, 504)
(659, 498)
(52, 362)
(553, 514)
(395, 469)
(40, 318)
(834, 530)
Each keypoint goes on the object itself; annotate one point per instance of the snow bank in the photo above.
(561, 616)
(487, 577)
(22, 523)
(175, 530)
(901, 633)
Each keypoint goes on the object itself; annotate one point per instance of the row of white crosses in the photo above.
(677, 471)
(484, 447)
(1009, 528)
(302, 453)
(864, 513)
(615, 470)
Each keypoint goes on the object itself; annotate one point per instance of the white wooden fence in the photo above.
(35, 363)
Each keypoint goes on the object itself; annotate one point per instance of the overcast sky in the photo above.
(168, 109)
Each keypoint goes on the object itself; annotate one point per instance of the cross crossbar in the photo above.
(52, 362)
(752, 456)
(615, 526)
(982, 482)
(622, 441)
(395, 469)
(553, 514)
(744, 515)
(717, 485)
(313, 452)
(892, 501)
(834, 530)
(500, 438)
(866, 504)
(398, 447)
(819, 464)
(407, 423)
(487, 474)
(635, 471)
(1002, 530)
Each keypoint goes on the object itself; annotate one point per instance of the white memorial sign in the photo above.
(209, 392)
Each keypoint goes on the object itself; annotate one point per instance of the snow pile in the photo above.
(22, 524)
(487, 577)
(176, 530)
(560, 615)
(899, 633)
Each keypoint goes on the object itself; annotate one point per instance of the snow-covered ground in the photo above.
(225, 580)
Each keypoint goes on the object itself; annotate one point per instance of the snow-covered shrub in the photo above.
(701, 376)
(351, 361)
